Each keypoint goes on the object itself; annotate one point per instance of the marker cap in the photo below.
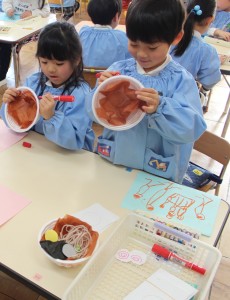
(159, 250)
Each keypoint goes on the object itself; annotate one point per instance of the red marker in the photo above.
(157, 249)
(62, 98)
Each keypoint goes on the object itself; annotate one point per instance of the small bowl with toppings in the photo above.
(115, 104)
(68, 241)
(22, 113)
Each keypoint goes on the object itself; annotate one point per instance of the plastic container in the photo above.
(60, 262)
(134, 117)
(11, 122)
(105, 277)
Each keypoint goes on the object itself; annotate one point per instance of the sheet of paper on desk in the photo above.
(8, 137)
(10, 204)
(173, 201)
(4, 17)
(4, 29)
(97, 216)
(30, 21)
(164, 286)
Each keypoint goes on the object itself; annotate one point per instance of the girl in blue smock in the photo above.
(220, 27)
(198, 57)
(59, 53)
(103, 44)
(174, 118)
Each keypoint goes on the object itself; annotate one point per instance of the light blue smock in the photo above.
(222, 18)
(164, 138)
(70, 126)
(201, 60)
(65, 3)
(103, 45)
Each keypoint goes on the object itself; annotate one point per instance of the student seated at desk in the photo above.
(69, 8)
(59, 53)
(24, 9)
(198, 57)
(174, 118)
(102, 44)
(220, 27)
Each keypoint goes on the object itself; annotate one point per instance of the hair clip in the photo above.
(196, 10)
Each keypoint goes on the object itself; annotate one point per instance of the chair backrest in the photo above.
(89, 74)
(216, 148)
(56, 2)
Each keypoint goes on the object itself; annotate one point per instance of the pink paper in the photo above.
(10, 204)
(8, 137)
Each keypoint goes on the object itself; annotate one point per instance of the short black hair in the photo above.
(154, 20)
(60, 41)
(103, 11)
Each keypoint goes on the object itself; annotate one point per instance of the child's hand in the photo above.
(151, 97)
(10, 95)
(47, 104)
(26, 14)
(222, 34)
(107, 74)
(10, 12)
(222, 58)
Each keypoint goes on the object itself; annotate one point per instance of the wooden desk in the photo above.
(19, 32)
(58, 181)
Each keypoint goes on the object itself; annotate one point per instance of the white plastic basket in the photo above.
(105, 277)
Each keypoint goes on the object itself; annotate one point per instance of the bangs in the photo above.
(145, 28)
(53, 48)
(151, 21)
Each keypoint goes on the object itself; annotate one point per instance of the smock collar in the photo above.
(156, 71)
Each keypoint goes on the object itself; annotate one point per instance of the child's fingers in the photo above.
(47, 99)
(10, 95)
(146, 92)
(151, 97)
(227, 36)
(105, 75)
(10, 12)
(149, 109)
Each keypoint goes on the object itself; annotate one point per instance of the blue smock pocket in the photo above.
(159, 165)
(105, 148)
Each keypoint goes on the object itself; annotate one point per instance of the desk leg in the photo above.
(16, 65)
(226, 124)
(226, 110)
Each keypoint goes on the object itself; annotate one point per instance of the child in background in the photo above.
(173, 119)
(24, 9)
(102, 44)
(59, 53)
(69, 8)
(198, 57)
(220, 27)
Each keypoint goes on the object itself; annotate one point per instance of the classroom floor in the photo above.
(13, 290)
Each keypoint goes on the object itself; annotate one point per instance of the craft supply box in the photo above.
(105, 277)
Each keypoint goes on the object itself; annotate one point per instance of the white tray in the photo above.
(104, 277)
